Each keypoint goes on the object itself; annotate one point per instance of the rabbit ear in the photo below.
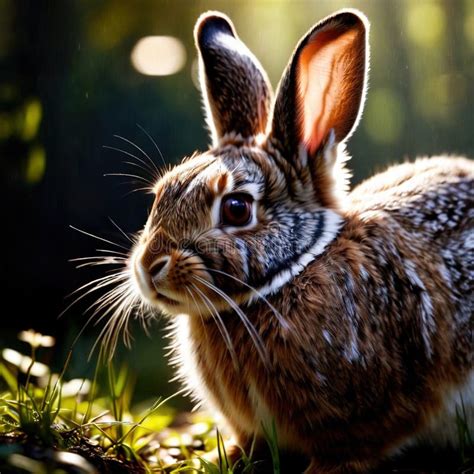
(236, 90)
(320, 96)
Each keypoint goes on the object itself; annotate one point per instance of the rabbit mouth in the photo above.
(149, 291)
(167, 300)
(146, 287)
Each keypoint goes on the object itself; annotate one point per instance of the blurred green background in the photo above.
(75, 73)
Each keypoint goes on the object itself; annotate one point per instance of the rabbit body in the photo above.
(347, 319)
(380, 342)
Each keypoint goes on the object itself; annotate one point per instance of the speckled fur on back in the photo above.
(345, 318)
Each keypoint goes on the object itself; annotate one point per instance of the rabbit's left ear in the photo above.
(236, 91)
(319, 100)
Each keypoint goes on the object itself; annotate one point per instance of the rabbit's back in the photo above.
(431, 196)
(432, 202)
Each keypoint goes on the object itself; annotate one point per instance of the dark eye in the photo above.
(236, 209)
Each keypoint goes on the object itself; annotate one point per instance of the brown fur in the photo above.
(359, 410)
(364, 331)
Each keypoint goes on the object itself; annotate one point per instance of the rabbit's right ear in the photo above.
(320, 96)
(236, 91)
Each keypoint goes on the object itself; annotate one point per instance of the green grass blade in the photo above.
(272, 441)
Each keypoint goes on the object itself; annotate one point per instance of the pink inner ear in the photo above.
(325, 84)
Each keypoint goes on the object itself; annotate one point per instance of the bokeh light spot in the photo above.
(31, 119)
(426, 23)
(469, 29)
(384, 116)
(440, 95)
(25, 363)
(158, 55)
(6, 126)
(36, 165)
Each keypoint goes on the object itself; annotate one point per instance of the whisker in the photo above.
(129, 175)
(154, 143)
(114, 294)
(97, 263)
(141, 151)
(115, 277)
(107, 296)
(112, 328)
(99, 238)
(121, 317)
(123, 254)
(127, 337)
(131, 155)
(147, 189)
(200, 266)
(105, 281)
(220, 325)
(143, 168)
(104, 300)
(118, 303)
(278, 315)
(257, 340)
(97, 258)
(121, 230)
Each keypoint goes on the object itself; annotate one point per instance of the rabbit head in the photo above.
(241, 219)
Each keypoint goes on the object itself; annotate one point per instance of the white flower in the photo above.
(35, 339)
(25, 363)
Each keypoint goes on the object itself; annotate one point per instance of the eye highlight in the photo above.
(236, 209)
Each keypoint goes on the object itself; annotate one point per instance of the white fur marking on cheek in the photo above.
(332, 224)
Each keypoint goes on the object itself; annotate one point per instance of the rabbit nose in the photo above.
(159, 269)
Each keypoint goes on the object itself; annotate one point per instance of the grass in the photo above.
(52, 425)
(49, 424)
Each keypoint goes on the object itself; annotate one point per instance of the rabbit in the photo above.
(343, 319)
